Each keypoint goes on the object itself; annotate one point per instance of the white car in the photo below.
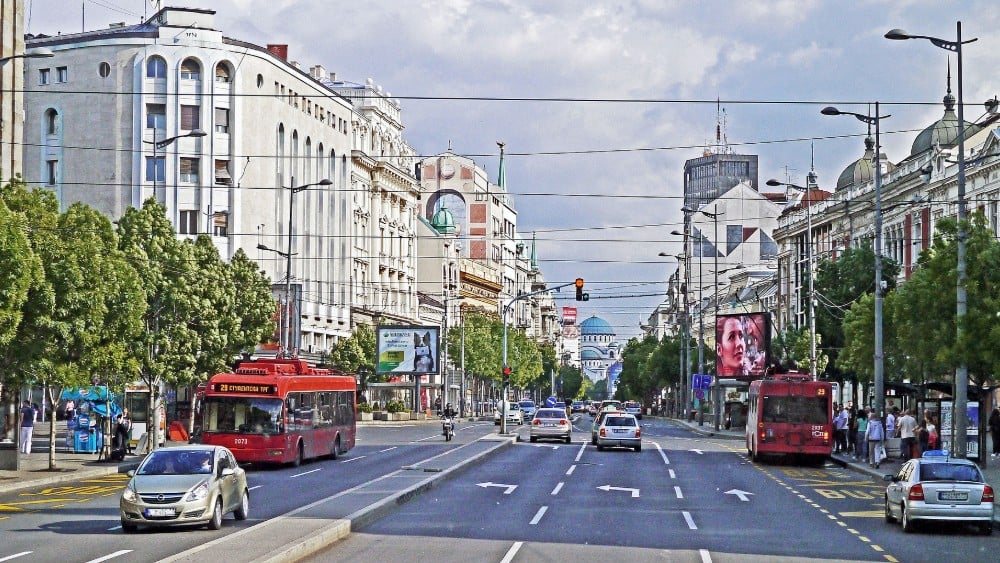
(514, 414)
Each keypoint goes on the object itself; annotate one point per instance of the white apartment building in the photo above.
(114, 118)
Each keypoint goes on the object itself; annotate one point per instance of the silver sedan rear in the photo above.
(551, 424)
(935, 487)
(619, 430)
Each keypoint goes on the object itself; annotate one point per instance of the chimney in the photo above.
(317, 72)
(333, 77)
(280, 51)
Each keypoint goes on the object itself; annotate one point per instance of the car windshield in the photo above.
(242, 415)
(548, 413)
(527, 404)
(169, 462)
(620, 421)
(949, 472)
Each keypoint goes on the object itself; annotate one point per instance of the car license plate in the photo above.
(159, 512)
(953, 495)
(620, 430)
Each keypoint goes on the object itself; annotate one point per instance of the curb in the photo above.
(65, 476)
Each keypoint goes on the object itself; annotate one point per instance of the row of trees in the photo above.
(83, 300)
(919, 330)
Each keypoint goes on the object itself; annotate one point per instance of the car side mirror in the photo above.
(130, 473)
(227, 472)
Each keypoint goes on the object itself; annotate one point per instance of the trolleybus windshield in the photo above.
(795, 409)
(242, 415)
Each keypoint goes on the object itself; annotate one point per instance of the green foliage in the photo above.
(365, 407)
(19, 268)
(573, 383)
(356, 351)
(395, 406)
(254, 305)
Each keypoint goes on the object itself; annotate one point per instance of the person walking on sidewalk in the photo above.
(875, 436)
(860, 441)
(908, 433)
(840, 429)
(994, 425)
(27, 426)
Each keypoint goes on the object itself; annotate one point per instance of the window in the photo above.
(51, 122)
(156, 116)
(62, 74)
(190, 118)
(189, 170)
(221, 120)
(222, 73)
(190, 70)
(156, 67)
(220, 224)
(104, 69)
(51, 166)
(43, 76)
(222, 175)
(156, 169)
(189, 223)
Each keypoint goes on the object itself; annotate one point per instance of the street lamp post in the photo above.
(959, 422)
(877, 170)
(444, 365)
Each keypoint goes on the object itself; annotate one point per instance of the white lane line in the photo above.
(255, 487)
(677, 491)
(689, 520)
(672, 475)
(118, 527)
(706, 557)
(354, 459)
(387, 449)
(110, 556)
(570, 470)
(16, 555)
(663, 455)
(306, 473)
(556, 490)
(427, 438)
(511, 552)
(538, 515)
(579, 454)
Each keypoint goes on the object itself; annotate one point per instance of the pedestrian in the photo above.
(875, 436)
(890, 423)
(70, 407)
(27, 426)
(923, 435)
(860, 442)
(907, 429)
(932, 432)
(852, 429)
(994, 425)
(840, 430)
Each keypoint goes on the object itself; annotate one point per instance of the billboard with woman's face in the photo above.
(743, 345)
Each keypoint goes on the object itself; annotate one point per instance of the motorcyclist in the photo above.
(449, 411)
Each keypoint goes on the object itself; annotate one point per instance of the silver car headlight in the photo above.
(198, 493)
(129, 494)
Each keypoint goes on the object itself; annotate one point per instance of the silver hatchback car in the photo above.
(936, 487)
(185, 485)
(619, 429)
(550, 423)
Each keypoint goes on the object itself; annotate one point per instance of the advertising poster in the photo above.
(407, 350)
(743, 345)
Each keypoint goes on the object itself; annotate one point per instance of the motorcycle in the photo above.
(448, 428)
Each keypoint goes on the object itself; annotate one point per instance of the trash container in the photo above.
(8, 456)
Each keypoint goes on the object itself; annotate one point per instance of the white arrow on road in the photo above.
(510, 488)
(635, 492)
(743, 495)
(699, 452)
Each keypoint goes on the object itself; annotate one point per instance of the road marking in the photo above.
(15, 556)
(556, 490)
(511, 552)
(353, 459)
(608, 488)
(118, 527)
(579, 454)
(110, 556)
(570, 470)
(742, 495)
(538, 515)
(427, 438)
(864, 514)
(306, 473)
(706, 557)
(16, 506)
(663, 455)
(689, 520)
(387, 449)
(699, 452)
(510, 488)
(672, 475)
(256, 487)
(677, 491)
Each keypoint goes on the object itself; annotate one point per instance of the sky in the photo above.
(600, 103)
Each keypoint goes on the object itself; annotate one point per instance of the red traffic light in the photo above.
(506, 370)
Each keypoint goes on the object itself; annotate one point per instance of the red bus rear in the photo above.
(280, 411)
(790, 415)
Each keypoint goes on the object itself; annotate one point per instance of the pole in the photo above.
(287, 333)
(503, 385)
(689, 397)
(809, 271)
(461, 401)
(960, 447)
(701, 320)
(715, 292)
(444, 365)
(879, 364)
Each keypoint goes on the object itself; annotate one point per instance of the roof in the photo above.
(595, 325)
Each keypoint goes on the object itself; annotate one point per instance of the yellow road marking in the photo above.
(16, 506)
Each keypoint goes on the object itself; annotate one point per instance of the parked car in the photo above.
(594, 428)
(619, 430)
(937, 487)
(185, 485)
(550, 423)
(527, 408)
(634, 408)
(514, 414)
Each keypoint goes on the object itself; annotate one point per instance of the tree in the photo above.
(573, 383)
(168, 347)
(356, 354)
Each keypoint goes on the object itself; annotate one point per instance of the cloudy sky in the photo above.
(600, 102)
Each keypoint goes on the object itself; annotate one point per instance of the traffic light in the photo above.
(506, 376)
(580, 295)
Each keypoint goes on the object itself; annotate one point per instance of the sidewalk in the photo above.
(887, 467)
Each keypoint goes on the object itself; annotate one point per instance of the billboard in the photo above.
(407, 350)
(569, 315)
(743, 345)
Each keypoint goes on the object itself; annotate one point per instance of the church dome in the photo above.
(862, 170)
(590, 354)
(443, 221)
(943, 132)
(594, 326)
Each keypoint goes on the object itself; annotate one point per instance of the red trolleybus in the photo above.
(790, 414)
(280, 411)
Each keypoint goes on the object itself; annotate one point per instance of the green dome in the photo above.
(943, 132)
(443, 221)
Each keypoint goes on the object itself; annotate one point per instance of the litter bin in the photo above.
(8, 456)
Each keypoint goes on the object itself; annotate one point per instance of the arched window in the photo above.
(190, 70)
(51, 122)
(156, 67)
(222, 73)
(281, 155)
